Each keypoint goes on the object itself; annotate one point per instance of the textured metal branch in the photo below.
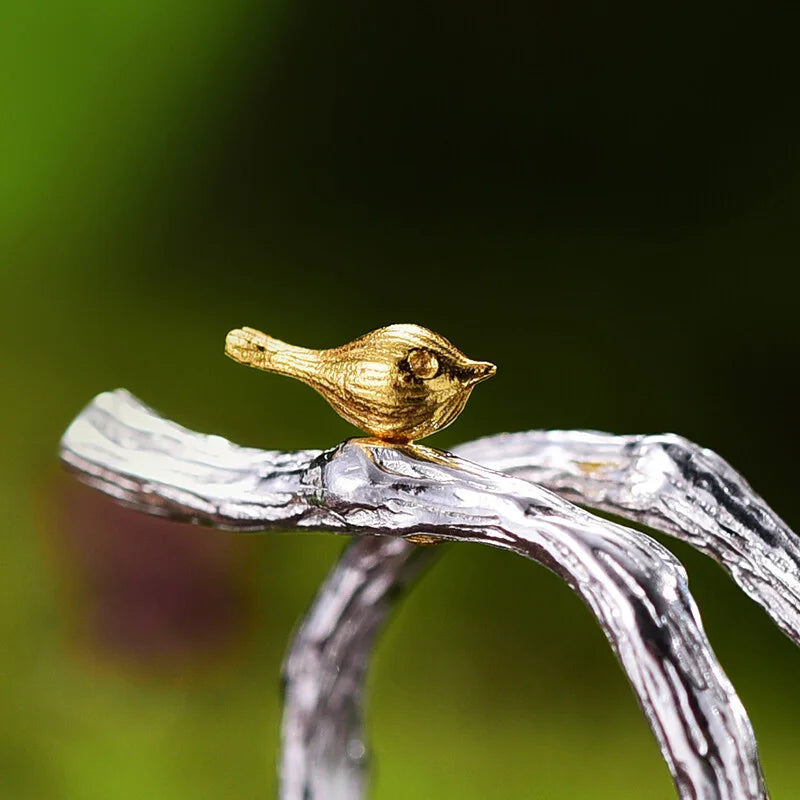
(322, 732)
(662, 481)
(671, 484)
(635, 588)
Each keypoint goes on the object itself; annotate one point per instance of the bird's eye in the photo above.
(423, 364)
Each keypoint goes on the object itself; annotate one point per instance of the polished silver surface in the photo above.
(663, 481)
(672, 485)
(324, 751)
(636, 589)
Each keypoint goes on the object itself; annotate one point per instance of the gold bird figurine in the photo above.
(398, 383)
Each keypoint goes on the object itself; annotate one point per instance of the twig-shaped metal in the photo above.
(670, 484)
(635, 588)
(664, 481)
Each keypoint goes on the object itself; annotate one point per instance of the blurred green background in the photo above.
(602, 199)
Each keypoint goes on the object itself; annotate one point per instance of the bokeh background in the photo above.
(601, 198)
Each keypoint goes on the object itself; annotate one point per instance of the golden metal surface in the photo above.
(423, 539)
(398, 383)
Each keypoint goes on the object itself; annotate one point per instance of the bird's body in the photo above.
(398, 383)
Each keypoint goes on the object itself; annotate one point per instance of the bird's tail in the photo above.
(256, 349)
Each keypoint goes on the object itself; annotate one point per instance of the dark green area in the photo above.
(603, 201)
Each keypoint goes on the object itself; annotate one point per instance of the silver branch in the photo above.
(636, 588)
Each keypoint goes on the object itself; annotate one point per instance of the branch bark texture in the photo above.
(635, 588)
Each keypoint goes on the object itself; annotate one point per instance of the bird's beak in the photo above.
(480, 371)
